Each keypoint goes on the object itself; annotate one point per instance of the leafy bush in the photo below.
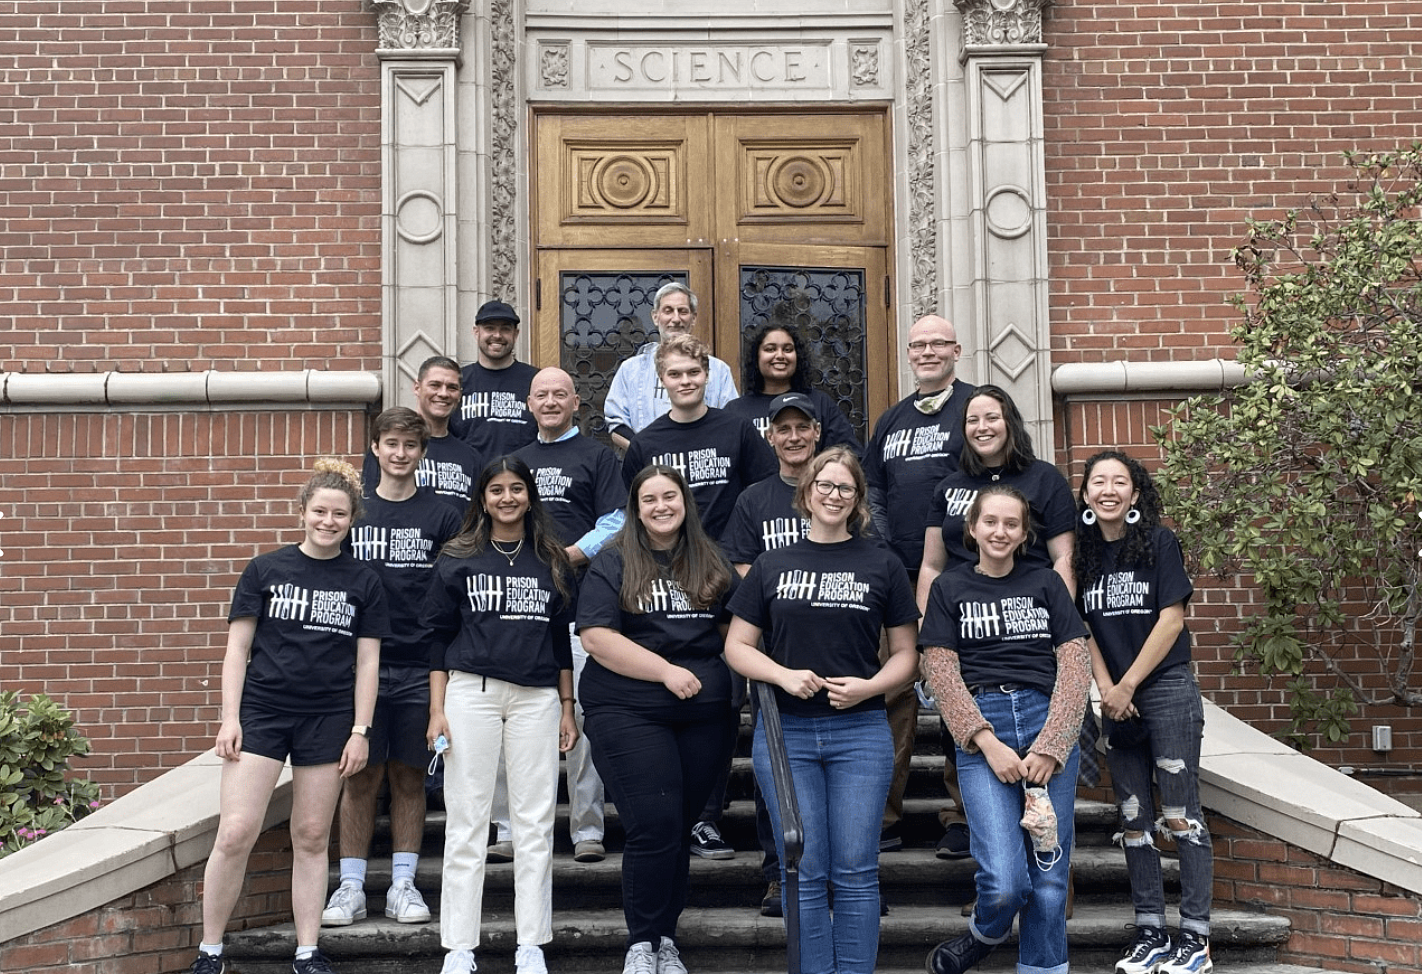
(37, 798)
(1308, 478)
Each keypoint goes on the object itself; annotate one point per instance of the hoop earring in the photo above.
(1132, 516)
(1088, 517)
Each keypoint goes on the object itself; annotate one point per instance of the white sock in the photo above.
(214, 949)
(353, 872)
(303, 952)
(402, 866)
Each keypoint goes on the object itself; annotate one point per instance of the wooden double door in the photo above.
(768, 217)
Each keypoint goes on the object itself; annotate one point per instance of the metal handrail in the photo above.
(792, 830)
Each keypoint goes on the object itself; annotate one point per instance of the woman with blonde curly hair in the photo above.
(299, 681)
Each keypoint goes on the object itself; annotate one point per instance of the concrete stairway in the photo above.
(722, 929)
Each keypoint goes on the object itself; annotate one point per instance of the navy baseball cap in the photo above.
(793, 400)
(491, 311)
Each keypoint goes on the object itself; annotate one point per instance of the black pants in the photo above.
(659, 768)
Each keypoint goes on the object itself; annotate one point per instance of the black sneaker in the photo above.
(957, 956)
(1150, 946)
(891, 839)
(954, 844)
(707, 843)
(317, 963)
(208, 964)
(772, 905)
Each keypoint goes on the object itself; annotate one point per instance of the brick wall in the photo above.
(1168, 124)
(189, 185)
(124, 534)
(156, 929)
(1341, 919)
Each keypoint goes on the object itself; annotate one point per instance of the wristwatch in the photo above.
(362, 729)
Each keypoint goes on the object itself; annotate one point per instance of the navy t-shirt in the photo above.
(400, 540)
(578, 481)
(1123, 605)
(309, 612)
(908, 454)
(669, 626)
(764, 519)
(719, 455)
(821, 607)
(493, 415)
(449, 470)
(496, 620)
(1004, 630)
(835, 429)
(1048, 498)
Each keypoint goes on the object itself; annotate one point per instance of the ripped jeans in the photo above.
(1171, 709)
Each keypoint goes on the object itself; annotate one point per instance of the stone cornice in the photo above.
(1002, 26)
(187, 390)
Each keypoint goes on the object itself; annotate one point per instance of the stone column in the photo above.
(1001, 55)
(419, 51)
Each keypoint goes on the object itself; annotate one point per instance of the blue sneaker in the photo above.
(1191, 955)
(1146, 953)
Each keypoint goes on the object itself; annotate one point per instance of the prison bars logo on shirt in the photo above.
(777, 532)
(323, 608)
(371, 542)
(1117, 594)
(515, 596)
(444, 478)
(959, 499)
(697, 467)
(664, 595)
(916, 443)
(838, 589)
(491, 404)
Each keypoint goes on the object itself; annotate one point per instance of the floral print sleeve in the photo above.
(955, 703)
(1059, 734)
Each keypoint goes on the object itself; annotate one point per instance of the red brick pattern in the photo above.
(1340, 919)
(157, 929)
(1169, 123)
(189, 185)
(123, 536)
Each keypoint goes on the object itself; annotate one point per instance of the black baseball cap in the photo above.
(495, 311)
(793, 400)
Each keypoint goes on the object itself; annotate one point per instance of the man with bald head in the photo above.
(915, 445)
(579, 481)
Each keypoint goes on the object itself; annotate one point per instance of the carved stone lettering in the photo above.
(720, 67)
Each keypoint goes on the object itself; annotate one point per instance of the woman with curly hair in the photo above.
(298, 681)
(657, 698)
(501, 687)
(776, 360)
(1133, 596)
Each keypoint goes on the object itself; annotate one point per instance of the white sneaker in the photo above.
(459, 962)
(641, 959)
(529, 960)
(404, 904)
(346, 906)
(669, 958)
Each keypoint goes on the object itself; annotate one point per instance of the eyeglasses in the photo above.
(938, 345)
(827, 487)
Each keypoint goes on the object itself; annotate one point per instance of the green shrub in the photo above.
(36, 796)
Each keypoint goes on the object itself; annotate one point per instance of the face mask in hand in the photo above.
(1040, 821)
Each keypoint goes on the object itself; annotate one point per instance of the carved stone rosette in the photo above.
(1001, 23)
(418, 28)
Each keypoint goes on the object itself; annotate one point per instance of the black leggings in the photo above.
(659, 769)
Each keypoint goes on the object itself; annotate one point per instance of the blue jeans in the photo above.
(841, 765)
(1172, 711)
(1011, 879)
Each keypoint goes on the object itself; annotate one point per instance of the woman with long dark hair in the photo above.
(1005, 653)
(1134, 591)
(821, 604)
(501, 684)
(776, 360)
(656, 698)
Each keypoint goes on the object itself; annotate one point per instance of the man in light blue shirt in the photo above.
(637, 396)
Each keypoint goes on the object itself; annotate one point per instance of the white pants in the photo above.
(585, 795)
(489, 720)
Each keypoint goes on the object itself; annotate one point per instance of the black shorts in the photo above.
(402, 715)
(308, 739)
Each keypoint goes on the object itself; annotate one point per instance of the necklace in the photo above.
(510, 555)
